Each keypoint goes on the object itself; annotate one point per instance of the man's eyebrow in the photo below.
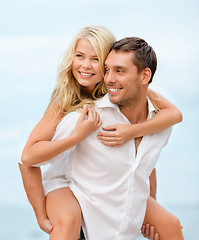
(117, 66)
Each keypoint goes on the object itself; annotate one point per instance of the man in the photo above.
(112, 184)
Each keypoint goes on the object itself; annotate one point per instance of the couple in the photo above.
(87, 180)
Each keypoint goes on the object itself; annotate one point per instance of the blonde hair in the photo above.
(153, 96)
(68, 93)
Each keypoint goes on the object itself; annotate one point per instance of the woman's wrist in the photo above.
(76, 138)
(136, 130)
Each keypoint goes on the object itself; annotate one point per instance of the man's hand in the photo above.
(45, 225)
(149, 232)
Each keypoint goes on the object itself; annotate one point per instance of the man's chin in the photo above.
(113, 99)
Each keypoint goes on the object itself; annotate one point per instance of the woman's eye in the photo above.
(78, 56)
(95, 59)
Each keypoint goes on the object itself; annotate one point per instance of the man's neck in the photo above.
(136, 113)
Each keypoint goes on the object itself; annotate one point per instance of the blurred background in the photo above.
(33, 37)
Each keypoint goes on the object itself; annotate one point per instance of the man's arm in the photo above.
(32, 182)
(153, 184)
(148, 230)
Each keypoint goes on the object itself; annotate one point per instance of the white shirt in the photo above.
(110, 183)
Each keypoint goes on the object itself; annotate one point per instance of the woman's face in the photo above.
(85, 65)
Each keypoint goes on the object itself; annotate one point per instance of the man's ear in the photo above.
(146, 76)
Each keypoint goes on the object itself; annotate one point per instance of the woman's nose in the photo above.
(86, 63)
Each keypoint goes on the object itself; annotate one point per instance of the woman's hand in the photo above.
(116, 135)
(88, 122)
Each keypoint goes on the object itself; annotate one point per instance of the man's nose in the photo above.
(109, 77)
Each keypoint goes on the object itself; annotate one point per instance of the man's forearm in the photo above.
(153, 184)
(32, 181)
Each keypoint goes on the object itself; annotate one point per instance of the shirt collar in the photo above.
(105, 102)
(151, 109)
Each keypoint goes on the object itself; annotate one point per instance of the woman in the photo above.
(79, 82)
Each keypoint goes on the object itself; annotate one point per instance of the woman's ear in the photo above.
(146, 76)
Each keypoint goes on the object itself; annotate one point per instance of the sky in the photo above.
(34, 36)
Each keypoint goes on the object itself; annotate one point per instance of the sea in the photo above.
(18, 222)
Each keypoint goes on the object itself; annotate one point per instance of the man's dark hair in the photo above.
(144, 56)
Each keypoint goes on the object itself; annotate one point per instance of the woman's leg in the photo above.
(166, 224)
(64, 213)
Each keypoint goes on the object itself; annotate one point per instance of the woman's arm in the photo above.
(43, 131)
(39, 148)
(168, 115)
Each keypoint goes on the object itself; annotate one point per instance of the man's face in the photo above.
(122, 78)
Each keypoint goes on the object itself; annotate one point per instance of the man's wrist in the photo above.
(41, 215)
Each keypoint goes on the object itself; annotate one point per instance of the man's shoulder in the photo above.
(160, 139)
(66, 125)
